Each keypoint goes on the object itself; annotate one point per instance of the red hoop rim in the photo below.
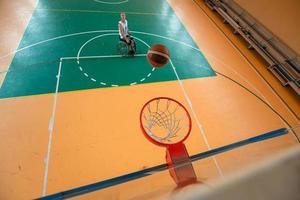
(160, 143)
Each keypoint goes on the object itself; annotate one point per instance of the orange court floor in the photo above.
(96, 133)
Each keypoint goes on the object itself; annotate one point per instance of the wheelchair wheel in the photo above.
(122, 48)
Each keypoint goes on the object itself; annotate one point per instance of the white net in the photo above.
(165, 121)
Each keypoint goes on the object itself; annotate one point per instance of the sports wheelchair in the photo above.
(125, 49)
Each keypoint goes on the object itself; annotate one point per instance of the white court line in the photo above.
(111, 3)
(4, 71)
(105, 56)
(99, 11)
(51, 126)
(196, 118)
(159, 53)
(36, 3)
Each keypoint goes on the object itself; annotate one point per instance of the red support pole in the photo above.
(180, 166)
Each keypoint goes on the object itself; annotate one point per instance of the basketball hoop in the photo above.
(166, 122)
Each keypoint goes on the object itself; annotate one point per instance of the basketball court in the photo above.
(70, 104)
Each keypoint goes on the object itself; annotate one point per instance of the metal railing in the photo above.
(283, 62)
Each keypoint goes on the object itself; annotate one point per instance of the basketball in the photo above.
(158, 55)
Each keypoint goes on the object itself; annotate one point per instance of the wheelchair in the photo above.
(125, 49)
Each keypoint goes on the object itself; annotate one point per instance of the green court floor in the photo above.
(65, 35)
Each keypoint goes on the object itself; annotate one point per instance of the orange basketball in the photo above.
(158, 55)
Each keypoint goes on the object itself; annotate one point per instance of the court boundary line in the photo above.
(37, 3)
(199, 125)
(51, 126)
(4, 71)
(111, 3)
(99, 11)
(105, 56)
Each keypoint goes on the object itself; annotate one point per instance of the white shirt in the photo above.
(124, 26)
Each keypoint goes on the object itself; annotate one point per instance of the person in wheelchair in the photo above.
(125, 35)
